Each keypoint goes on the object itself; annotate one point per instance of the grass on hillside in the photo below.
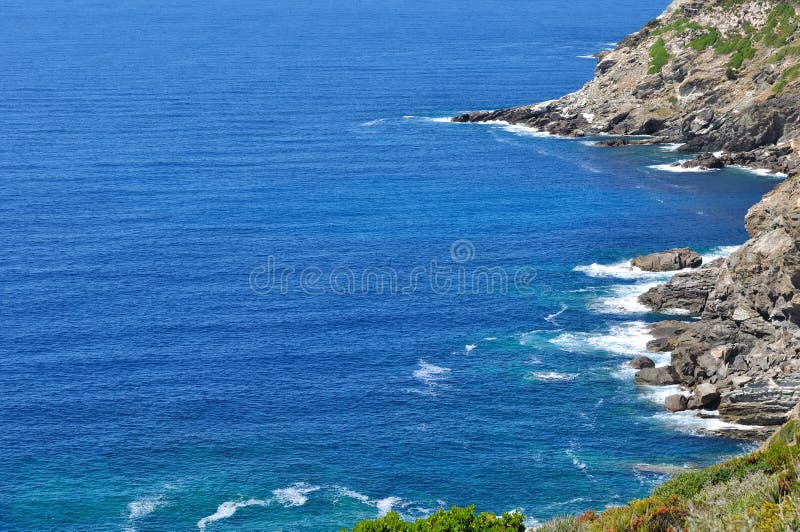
(758, 491)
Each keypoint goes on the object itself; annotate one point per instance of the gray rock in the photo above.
(670, 260)
(656, 376)
(707, 161)
(641, 362)
(685, 291)
(707, 395)
(676, 403)
(665, 335)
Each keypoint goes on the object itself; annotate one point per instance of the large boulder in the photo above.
(656, 376)
(675, 403)
(641, 363)
(706, 395)
(667, 261)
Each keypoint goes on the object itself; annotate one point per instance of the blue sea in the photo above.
(249, 280)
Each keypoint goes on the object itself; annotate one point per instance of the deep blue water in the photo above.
(154, 156)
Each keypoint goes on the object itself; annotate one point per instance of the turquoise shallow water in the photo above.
(156, 158)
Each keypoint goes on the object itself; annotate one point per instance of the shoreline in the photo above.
(606, 140)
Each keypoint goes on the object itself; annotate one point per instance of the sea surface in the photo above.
(248, 280)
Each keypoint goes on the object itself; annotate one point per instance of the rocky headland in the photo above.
(718, 77)
(721, 78)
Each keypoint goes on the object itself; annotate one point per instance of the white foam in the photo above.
(385, 505)
(719, 252)
(574, 342)
(691, 422)
(294, 495)
(531, 337)
(619, 270)
(469, 347)
(490, 338)
(670, 147)
(347, 492)
(629, 339)
(552, 376)
(657, 394)
(371, 123)
(525, 131)
(761, 171)
(437, 119)
(624, 270)
(430, 373)
(145, 506)
(681, 169)
(522, 131)
(623, 299)
(587, 56)
(551, 317)
(227, 509)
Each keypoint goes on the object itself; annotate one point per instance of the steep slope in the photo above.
(714, 76)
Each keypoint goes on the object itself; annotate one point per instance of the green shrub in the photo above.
(658, 57)
(789, 75)
(779, 26)
(704, 41)
(678, 25)
(454, 519)
(786, 51)
(729, 502)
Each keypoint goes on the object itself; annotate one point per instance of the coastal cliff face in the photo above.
(719, 76)
(714, 76)
(747, 343)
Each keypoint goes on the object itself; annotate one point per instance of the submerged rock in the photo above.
(667, 261)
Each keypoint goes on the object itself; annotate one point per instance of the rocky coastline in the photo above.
(717, 77)
(721, 78)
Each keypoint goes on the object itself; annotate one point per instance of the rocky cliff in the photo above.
(715, 76)
(746, 346)
(719, 76)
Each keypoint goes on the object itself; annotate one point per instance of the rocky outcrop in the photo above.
(685, 291)
(722, 79)
(657, 376)
(667, 261)
(664, 333)
(715, 76)
(641, 363)
(743, 355)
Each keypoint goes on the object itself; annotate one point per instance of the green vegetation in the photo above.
(789, 75)
(704, 41)
(658, 57)
(454, 519)
(758, 491)
(741, 48)
(786, 51)
(780, 25)
(677, 25)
